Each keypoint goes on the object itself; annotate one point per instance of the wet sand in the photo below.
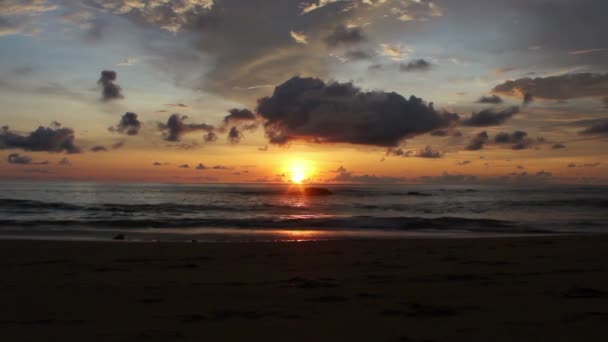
(509, 289)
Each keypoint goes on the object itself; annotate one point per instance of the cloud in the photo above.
(238, 115)
(210, 137)
(586, 51)
(395, 52)
(448, 178)
(184, 166)
(299, 37)
(129, 124)
(18, 16)
(518, 139)
(117, 145)
(15, 158)
(478, 141)
(240, 119)
(528, 99)
(200, 166)
(415, 65)
(99, 148)
(175, 127)
(169, 15)
(426, 152)
(600, 127)
(110, 90)
(345, 176)
(562, 87)
(343, 35)
(464, 162)
(8, 27)
(490, 117)
(178, 105)
(127, 62)
(50, 139)
(493, 99)
(234, 135)
(358, 55)
(558, 146)
(266, 54)
(310, 109)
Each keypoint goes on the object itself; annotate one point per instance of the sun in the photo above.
(299, 171)
(298, 176)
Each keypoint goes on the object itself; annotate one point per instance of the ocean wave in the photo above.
(111, 208)
(352, 222)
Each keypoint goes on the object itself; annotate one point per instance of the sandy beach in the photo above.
(510, 289)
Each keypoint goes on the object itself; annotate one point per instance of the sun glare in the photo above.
(299, 172)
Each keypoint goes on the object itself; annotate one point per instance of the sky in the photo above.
(351, 91)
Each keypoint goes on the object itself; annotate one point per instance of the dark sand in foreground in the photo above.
(516, 289)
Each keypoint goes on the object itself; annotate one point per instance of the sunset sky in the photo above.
(359, 91)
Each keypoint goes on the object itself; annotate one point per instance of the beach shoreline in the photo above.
(501, 289)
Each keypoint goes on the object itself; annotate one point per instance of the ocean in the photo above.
(261, 212)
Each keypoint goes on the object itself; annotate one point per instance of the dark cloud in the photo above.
(310, 109)
(528, 99)
(563, 87)
(234, 135)
(65, 162)
(117, 145)
(426, 152)
(200, 166)
(345, 176)
(492, 99)
(345, 35)
(51, 139)
(478, 141)
(210, 137)
(175, 127)
(110, 90)
(448, 178)
(358, 55)
(558, 146)
(490, 117)
(238, 115)
(221, 167)
(266, 54)
(99, 148)
(600, 127)
(184, 166)
(415, 65)
(440, 133)
(544, 174)
(518, 139)
(464, 162)
(15, 158)
(506, 138)
(573, 165)
(178, 105)
(157, 164)
(129, 124)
